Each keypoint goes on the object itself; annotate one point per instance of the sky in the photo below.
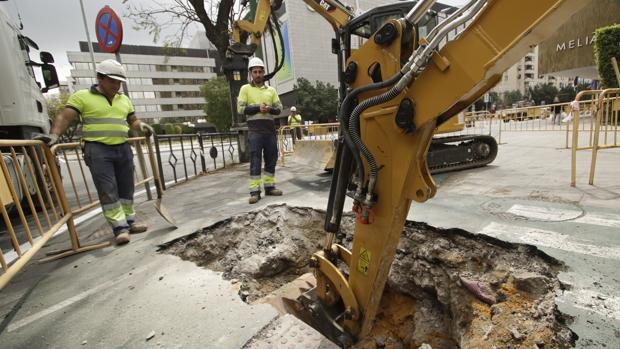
(57, 25)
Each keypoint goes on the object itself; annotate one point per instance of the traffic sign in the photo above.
(109, 30)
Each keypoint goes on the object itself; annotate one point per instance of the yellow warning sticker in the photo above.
(364, 261)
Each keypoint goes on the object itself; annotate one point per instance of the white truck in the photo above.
(23, 111)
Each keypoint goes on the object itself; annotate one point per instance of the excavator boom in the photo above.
(400, 86)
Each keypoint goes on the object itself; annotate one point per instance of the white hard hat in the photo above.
(293, 108)
(112, 69)
(256, 62)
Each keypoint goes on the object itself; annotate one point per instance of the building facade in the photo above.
(163, 83)
(525, 74)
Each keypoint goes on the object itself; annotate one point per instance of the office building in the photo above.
(163, 83)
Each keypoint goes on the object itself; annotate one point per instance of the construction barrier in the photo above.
(289, 136)
(606, 126)
(33, 197)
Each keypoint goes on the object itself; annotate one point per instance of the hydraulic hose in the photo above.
(410, 70)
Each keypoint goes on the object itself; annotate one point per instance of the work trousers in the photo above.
(267, 145)
(111, 167)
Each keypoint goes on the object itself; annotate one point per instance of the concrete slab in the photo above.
(114, 297)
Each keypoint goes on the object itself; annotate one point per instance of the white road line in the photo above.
(543, 213)
(606, 220)
(67, 302)
(550, 239)
(590, 300)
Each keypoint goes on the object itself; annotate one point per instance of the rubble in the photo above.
(447, 288)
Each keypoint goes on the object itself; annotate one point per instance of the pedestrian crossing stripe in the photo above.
(363, 262)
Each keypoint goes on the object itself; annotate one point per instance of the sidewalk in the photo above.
(119, 296)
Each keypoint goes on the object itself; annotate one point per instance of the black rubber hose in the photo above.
(354, 127)
(345, 117)
(280, 63)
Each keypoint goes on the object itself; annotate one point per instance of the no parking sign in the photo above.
(109, 30)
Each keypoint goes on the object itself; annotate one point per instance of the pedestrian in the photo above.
(295, 121)
(107, 116)
(557, 111)
(260, 103)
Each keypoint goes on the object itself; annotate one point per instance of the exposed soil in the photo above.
(447, 288)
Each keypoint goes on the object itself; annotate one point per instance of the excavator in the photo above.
(408, 79)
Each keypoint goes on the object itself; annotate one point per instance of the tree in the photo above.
(318, 102)
(605, 47)
(215, 16)
(543, 92)
(511, 97)
(217, 95)
(55, 104)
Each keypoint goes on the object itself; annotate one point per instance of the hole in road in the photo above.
(447, 287)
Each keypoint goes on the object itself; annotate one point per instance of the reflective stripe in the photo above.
(269, 181)
(260, 117)
(107, 121)
(254, 184)
(127, 206)
(114, 214)
(88, 134)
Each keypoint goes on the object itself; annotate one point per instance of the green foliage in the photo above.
(510, 97)
(187, 130)
(318, 102)
(169, 128)
(55, 104)
(605, 47)
(543, 92)
(217, 95)
(158, 129)
(178, 129)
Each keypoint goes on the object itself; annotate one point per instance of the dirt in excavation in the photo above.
(447, 288)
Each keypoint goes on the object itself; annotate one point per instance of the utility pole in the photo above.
(90, 46)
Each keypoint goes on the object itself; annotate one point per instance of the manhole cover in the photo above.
(532, 210)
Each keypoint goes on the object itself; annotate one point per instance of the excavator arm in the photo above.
(399, 88)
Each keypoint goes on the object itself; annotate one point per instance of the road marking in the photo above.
(606, 220)
(11, 255)
(67, 302)
(548, 238)
(543, 213)
(590, 300)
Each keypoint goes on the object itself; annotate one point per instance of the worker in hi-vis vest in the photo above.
(107, 116)
(295, 121)
(260, 103)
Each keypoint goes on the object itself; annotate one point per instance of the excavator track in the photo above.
(461, 152)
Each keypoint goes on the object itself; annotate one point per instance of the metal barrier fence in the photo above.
(191, 149)
(288, 135)
(50, 199)
(33, 199)
(606, 122)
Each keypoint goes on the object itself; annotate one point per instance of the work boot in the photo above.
(254, 198)
(122, 237)
(273, 192)
(137, 228)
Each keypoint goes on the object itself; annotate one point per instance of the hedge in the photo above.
(607, 45)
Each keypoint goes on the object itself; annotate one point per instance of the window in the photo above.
(167, 107)
(134, 81)
(161, 67)
(146, 81)
(140, 108)
(161, 81)
(165, 94)
(133, 67)
(135, 95)
(152, 108)
(146, 67)
(82, 66)
(149, 94)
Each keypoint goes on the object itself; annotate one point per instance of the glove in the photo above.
(49, 139)
(146, 129)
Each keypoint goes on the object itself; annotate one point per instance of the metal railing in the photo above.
(36, 201)
(608, 107)
(288, 135)
(186, 154)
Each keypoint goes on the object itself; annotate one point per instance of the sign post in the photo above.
(109, 29)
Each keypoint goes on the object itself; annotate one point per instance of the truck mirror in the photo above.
(50, 77)
(46, 57)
